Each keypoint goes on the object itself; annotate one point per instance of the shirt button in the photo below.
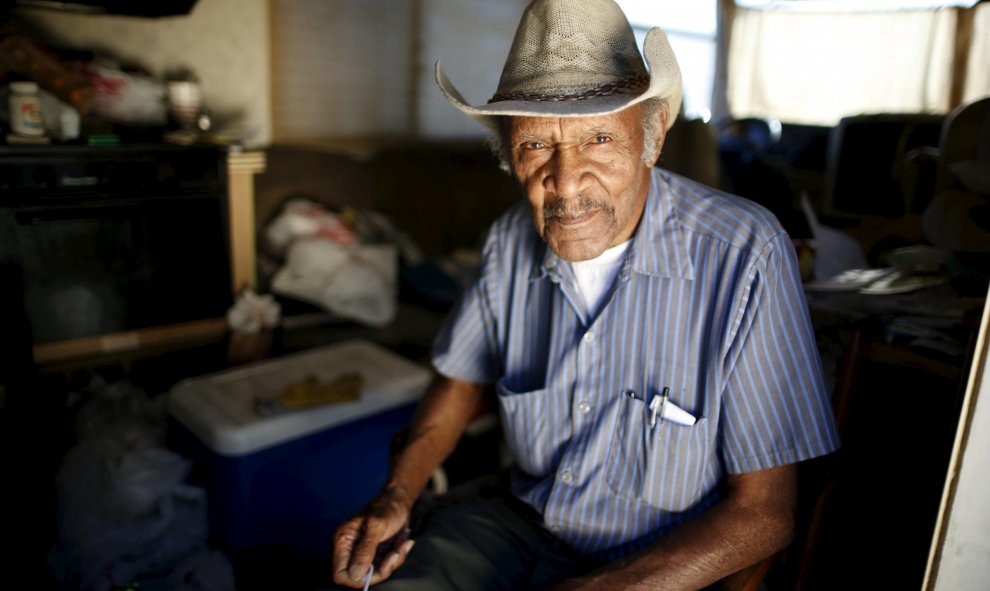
(566, 477)
(584, 407)
(589, 336)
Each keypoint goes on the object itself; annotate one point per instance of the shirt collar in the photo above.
(659, 248)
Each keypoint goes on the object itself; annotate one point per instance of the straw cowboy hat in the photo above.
(575, 59)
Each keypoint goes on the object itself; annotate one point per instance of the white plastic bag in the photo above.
(123, 510)
(346, 263)
(122, 97)
(300, 219)
(357, 282)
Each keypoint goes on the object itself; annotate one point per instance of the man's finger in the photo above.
(343, 546)
(363, 552)
(393, 560)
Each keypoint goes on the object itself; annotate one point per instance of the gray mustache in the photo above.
(561, 208)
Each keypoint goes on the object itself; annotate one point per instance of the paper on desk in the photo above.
(835, 250)
(851, 280)
(899, 282)
(876, 281)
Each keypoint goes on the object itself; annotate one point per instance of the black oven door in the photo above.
(91, 265)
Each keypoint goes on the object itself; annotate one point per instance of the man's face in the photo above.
(583, 177)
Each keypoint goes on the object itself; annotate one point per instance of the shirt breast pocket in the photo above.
(534, 441)
(661, 465)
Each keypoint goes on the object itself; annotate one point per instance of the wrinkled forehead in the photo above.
(622, 122)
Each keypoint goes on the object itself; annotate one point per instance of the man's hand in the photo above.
(440, 420)
(379, 536)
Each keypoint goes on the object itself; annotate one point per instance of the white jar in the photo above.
(25, 109)
(68, 119)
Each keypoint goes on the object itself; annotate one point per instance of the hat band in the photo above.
(630, 84)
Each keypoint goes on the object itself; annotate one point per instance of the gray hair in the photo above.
(501, 148)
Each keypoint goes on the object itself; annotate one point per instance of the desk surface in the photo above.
(939, 301)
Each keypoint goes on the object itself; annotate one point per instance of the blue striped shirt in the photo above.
(708, 303)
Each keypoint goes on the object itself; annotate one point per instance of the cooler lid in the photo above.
(219, 408)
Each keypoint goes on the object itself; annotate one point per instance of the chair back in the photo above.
(963, 138)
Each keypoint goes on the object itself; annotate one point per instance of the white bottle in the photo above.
(25, 109)
(68, 119)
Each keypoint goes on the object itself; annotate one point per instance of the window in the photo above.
(692, 29)
(815, 62)
(978, 70)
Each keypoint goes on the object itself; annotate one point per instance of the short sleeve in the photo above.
(776, 408)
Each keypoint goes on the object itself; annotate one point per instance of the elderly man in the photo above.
(647, 338)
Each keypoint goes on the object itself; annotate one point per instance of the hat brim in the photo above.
(665, 83)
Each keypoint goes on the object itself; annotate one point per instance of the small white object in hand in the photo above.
(367, 577)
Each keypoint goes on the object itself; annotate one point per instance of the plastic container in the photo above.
(288, 479)
(25, 109)
(68, 123)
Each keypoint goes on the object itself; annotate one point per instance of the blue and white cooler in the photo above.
(287, 479)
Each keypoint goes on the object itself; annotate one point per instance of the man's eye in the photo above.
(534, 145)
(602, 139)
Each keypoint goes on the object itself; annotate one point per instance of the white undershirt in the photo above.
(595, 276)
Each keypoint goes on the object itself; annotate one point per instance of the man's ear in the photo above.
(660, 133)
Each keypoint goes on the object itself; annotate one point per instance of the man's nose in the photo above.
(566, 173)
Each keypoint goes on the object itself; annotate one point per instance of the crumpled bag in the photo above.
(250, 322)
(123, 510)
(252, 313)
(357, 282)
(346, 263)
(301, 218)
(128, 98)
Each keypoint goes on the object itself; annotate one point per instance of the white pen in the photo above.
(367, 577)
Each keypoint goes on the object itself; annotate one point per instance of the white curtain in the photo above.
(814, 68)
(978, 70)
